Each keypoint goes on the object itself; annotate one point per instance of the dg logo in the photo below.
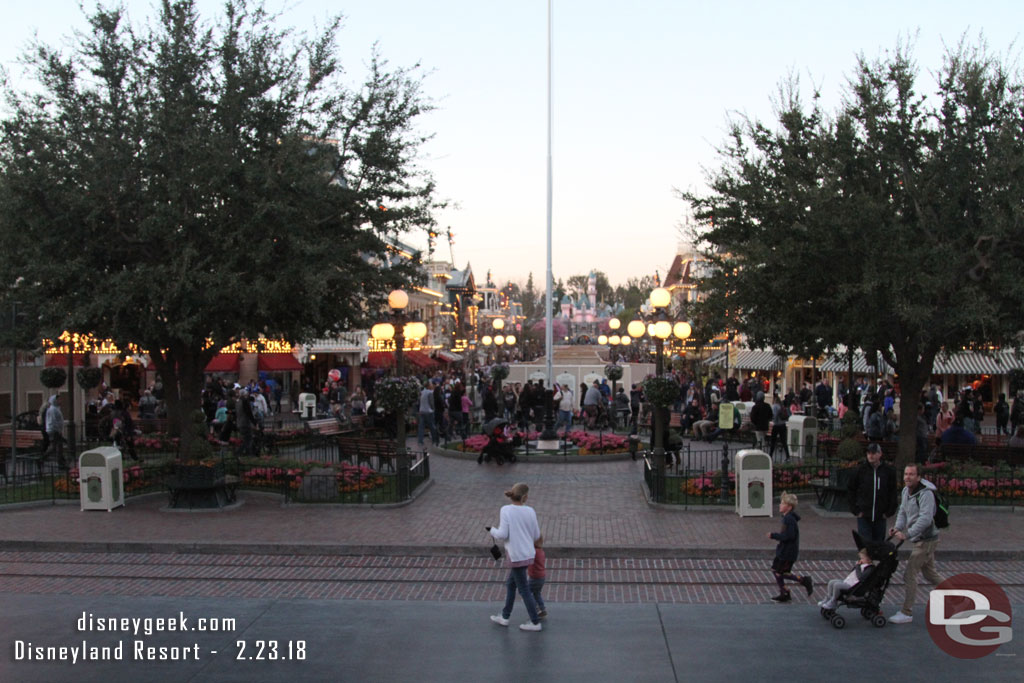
(969, 616)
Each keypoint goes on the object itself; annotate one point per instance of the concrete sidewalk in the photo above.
(436, 641)
(586, 508)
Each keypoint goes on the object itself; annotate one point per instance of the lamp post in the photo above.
(659, 328)
(399, 329)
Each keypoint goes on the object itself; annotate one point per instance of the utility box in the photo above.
(307, 406)
(101, 479)
(753, 483)
(803, 435)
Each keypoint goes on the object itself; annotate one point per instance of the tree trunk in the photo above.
(914, 372)
(181, 370)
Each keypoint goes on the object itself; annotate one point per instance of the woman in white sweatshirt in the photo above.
(519, 529)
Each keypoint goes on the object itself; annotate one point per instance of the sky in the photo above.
(643, 93)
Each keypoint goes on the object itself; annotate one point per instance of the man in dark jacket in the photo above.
(873, 495)
(761, 419)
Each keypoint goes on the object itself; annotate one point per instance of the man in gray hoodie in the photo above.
(915, 522)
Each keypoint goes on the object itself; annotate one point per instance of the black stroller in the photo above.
(867, 595)
(499, 445)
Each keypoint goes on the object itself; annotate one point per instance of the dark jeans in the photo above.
(873, 532)
(779, 433)
(536, 586)
(517, 580)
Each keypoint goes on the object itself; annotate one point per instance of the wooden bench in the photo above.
(201, 481)
(328, 426)
(378, 453)
(28, 447)
(981, 453)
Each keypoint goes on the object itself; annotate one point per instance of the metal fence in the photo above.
(304, 470)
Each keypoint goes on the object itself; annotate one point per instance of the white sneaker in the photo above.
(499, 620)
(530, 626)
(900, 618)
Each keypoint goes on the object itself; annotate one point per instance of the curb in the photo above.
(572, 552)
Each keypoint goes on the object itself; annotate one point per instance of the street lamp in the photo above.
(400, 328)
(659, 328)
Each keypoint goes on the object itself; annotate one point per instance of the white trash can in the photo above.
(753, 483)
(307, 406)
(803, 435)
(101, 479)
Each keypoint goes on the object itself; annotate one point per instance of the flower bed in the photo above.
(586, 443)
(353, 478)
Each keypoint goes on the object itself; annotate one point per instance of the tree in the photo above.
(183, 186)
(893, 226)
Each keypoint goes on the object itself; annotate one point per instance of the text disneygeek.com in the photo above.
(138, 649)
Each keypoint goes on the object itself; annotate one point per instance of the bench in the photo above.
(207, 483)
(27, 447)
(378, 453)
(982, 453)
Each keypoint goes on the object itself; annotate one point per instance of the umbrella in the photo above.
(493, 424)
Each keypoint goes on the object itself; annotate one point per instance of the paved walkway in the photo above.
(587, 508)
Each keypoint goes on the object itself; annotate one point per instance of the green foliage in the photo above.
(194, 178)
(661, 391)
(53, 378)
(889, 225)
(613, 372)
(393, 393)
(89, 377)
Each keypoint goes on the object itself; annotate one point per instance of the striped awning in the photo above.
(749, 360)
(860, 365)
(961, 363)
(978, 363)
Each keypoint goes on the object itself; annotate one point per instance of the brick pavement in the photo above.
(584, 508)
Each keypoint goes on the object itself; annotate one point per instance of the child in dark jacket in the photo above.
(787, 550)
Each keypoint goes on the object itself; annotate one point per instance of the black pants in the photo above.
(779, 433)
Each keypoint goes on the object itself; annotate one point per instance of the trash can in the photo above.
(753, 483)
(803, 435)
(307, 406)
(101, 479)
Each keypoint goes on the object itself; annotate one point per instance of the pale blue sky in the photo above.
(642, 95)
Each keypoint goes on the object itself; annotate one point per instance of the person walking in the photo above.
(54, 422)
(519, 529)
(426, 415)
(915, 522)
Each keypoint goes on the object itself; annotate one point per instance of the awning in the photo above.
(750, 360)
(860, 365)
(380, 359)
(449, 357)
(278, 362)
(223, 362)
(419, 359)
(60, 360)
(977, 363)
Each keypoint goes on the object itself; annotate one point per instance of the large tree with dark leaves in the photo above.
(894, 225)
(185, 185)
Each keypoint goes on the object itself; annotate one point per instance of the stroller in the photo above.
(500, 445)
(869, 593)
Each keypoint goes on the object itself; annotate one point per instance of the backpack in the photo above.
(941, 518)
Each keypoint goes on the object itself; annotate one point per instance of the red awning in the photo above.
(278, 362)
(224, 362)
(380, 359)
(420, 359)
(60, 360)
